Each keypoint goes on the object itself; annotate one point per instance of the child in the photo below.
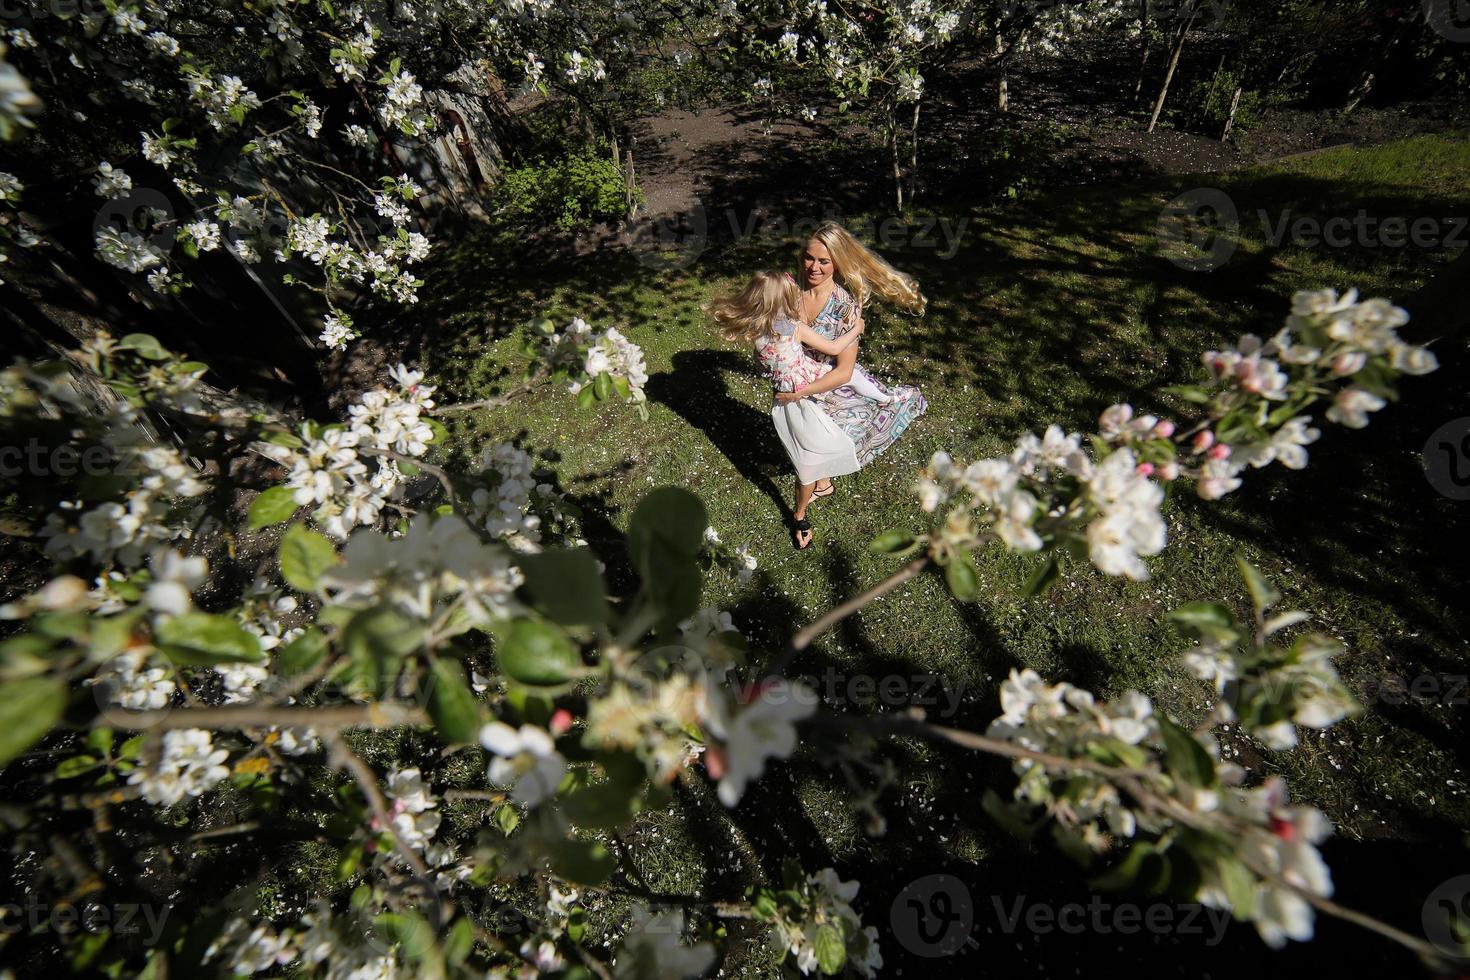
(766, 313)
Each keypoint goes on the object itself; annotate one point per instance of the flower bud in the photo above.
(561, 720)
(1144, 469)
(1164, 429)
(1219, 451)
(1203, 441)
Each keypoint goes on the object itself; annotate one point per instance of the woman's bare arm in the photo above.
(835, 378)
(816, 341)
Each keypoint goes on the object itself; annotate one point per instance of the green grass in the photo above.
(1052, 310)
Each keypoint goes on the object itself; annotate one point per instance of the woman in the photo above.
(831, 256)
(828, 428)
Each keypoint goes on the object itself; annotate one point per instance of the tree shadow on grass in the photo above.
(697, 391)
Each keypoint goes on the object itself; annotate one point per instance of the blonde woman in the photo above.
(831, 260)
(764, 314)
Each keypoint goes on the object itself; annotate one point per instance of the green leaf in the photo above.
(537, 653)
(408, 931)
(287, 439)
(566, 586)
(100, 740)
(602, 386)
(665, 537)
(1209, 619)
(132, 748)
(764, 906)
(145, 346)
(1042, 579)
(459, 942)
(304, 556)
(1262, 593)
(960, 574)
(302, 653)
(586, 396)
(583, 862)
(75, 766)
(831, 950)
(1144, 867)
(377, 640)
(669, 514)
(1239, 885)
(1184, 756)
(199, 639)
(605, 806)
(28, 709)
(272, 506)
(1004, 813)
(507, 819)
(452, 705)
(894, 543)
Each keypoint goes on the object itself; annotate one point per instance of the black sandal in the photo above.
(831, 489)
(797, 527)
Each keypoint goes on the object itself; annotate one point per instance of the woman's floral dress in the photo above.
(872, 426)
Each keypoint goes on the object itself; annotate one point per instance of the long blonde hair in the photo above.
(863, 273)
(749, 314)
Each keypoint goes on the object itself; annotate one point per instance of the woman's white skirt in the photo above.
(818, 448)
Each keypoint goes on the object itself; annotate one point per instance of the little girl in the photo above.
(766, 312)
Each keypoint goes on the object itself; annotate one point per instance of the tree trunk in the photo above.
(1234, 107)
(1003, 86)
(893, 150)
(1360, 93)
(1143, 43)
(1173, 65)
(914, 157)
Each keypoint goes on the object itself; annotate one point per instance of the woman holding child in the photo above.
(830, 414)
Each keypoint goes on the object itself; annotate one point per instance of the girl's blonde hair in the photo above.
(749, 314)
(864, 274)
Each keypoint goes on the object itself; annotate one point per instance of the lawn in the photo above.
(1053, 308)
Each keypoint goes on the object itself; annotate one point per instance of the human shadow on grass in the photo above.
(696, 389)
